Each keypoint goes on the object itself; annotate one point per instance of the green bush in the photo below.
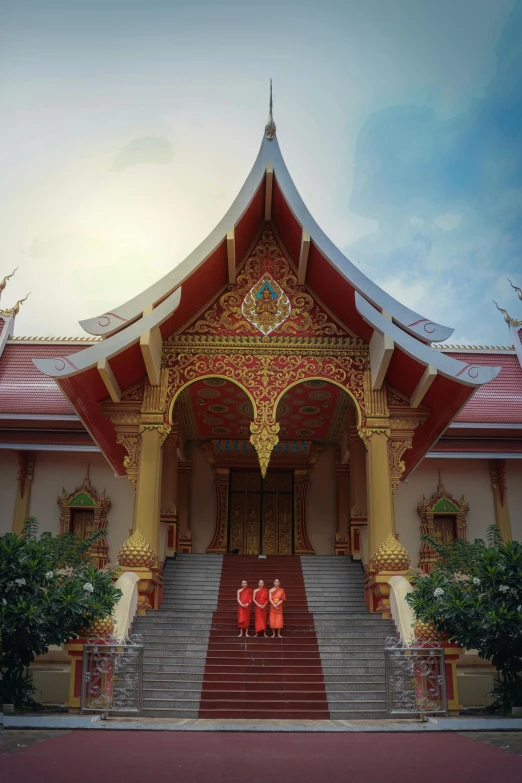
(474, 594)
(49, 590)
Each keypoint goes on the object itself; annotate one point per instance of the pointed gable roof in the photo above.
(399, 337)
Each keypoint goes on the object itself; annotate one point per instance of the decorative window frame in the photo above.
(86, 497)
(441, 503)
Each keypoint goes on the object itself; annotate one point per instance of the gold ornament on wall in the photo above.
(264, 437)
(390, 556)
(266, 305)
(136, 552)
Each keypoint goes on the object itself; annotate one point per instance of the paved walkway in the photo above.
(84, 756)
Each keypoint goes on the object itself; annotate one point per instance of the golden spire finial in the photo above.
(6, 278)
(517, 289)
(270, 127)
(12, 311)
(441, 485)
(507, 318)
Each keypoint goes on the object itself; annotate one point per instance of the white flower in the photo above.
(49, 575)
(503, 589)
(476, 580)
(4, 602)
(20, 582)
(519, 608)
(88, 588)
(438, 592)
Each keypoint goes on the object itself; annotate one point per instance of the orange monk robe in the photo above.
(276, 615)
(243, 615)
(261, 598)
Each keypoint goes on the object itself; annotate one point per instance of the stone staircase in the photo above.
(351, 639)
(330, 663)
(176, 636)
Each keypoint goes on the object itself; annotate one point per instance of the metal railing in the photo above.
(415, 677)
(112, 674)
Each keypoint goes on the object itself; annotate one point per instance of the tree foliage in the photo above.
(49, 591)
(474, 594)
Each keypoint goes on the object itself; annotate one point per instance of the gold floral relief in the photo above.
(267, 298)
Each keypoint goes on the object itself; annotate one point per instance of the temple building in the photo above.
(265, 398)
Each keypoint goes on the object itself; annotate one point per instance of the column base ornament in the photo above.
(137, 555)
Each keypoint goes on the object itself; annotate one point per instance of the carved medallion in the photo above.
(266, 305)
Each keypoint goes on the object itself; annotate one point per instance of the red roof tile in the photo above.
(23, 388)
(500, 400)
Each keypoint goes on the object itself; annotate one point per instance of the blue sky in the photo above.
(129, 128)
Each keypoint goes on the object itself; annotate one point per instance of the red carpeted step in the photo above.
(263, 678)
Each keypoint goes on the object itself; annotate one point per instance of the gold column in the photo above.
(221, 486)
(183, 507)
(380, 502)
(169, 476)
(358, 496)
(169, 490)
(147, 503)
(497, 470)
(342, 475)
(24, 484)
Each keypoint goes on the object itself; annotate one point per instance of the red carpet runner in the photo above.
(263, 678)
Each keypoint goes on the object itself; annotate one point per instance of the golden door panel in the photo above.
(285, 515)
(261, 513)
(270, 524)
(252, 523)
(237, 521)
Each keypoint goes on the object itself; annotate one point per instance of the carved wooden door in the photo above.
(444, 529)
(261, 513)
(82, 522)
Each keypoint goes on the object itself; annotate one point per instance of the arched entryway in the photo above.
(252, 513)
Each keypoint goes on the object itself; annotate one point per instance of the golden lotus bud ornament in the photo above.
(136, 552)
(390, 556)
(103, 626)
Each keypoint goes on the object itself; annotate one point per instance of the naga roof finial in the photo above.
(4, 281)
(517, 289)
(270, 127)
(14, 310)
(507, 318)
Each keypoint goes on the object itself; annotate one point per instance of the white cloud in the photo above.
(447, 222)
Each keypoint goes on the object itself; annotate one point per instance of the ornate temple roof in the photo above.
(399, 338)
(73, 376)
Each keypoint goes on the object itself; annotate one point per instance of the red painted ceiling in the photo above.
(216, 408)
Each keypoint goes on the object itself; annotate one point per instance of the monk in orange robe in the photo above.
(276, 597)
(261, 602)
(244, 600)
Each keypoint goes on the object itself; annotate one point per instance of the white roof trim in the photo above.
(472, 455)
(467, 374)
(47, 447)
(269, 153)
(39, 417)
(483, 425)
(66, 366)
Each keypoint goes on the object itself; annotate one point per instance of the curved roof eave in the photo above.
(110, 322)
(75, 363)
(420, 327)
(461, 372)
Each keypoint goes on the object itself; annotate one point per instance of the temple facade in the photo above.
(264, 397)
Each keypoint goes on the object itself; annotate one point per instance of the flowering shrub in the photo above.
(50, 590)
(474, 594)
